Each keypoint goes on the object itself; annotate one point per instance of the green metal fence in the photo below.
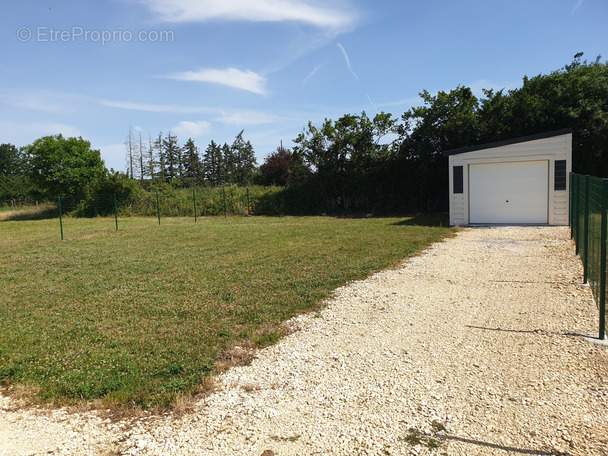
(589, 229)
(112, 211)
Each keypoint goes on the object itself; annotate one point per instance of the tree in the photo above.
(277, 166)
(244, 160)
(65, 166)
(213, 165)
(229, 165)
(151, 160)
(346, 156)
(575, 96)
(158, 146)
(447, 120)
(171, 154)
(141, 154)
(136, 156)
(130, 145)
(13, 173)
(349, 142)
(12, 161)
(193, 168)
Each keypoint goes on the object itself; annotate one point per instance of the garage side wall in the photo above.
(552, 149)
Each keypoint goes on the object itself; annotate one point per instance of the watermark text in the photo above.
(102, 37)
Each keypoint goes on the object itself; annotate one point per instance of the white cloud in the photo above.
(246, 118)
(347, 61)
(174, 109)
(231, 77)
(189, 129)
(329, 14)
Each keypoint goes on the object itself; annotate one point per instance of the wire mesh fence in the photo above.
(110, 212)
(588, 223)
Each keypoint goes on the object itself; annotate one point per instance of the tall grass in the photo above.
(142, 315)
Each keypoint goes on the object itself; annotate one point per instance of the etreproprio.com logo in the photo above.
(102, 37)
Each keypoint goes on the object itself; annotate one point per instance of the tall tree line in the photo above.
(165, 160)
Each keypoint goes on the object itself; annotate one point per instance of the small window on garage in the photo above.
(560, 175)
(458, 180)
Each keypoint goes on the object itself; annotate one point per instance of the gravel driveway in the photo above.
(474, 347)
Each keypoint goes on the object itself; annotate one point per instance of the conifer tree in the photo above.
(193, 168)
(229, 161)
(172, 156)
(213, 165)
(244, 160)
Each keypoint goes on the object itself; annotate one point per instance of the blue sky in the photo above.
(208, 69)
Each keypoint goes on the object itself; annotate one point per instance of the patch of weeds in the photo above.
(430, 440)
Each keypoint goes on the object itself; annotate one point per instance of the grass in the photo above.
(145, 315)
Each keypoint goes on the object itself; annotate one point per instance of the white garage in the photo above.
(520, 181)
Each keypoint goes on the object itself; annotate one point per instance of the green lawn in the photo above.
(142, 315)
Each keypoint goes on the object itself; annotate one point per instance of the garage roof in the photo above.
(507, 142)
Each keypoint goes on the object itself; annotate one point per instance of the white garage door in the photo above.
(509, 192)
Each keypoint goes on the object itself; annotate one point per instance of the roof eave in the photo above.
(507, 142)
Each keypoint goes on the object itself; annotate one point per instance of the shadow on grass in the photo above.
(440, 220)
(22, 215)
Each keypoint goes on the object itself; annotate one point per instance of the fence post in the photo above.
(586, 231)
(60, 218)
(575, 209)
(115, 212)
(602, 303)
(157, 207)
(194, 196)
(571, 206)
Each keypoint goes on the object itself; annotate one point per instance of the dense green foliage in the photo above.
(59, 165)
(12, 161)
(573, 97)
(346, 158)
(14, 182)
(379, 164)
(143, 315)
(352, 168)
